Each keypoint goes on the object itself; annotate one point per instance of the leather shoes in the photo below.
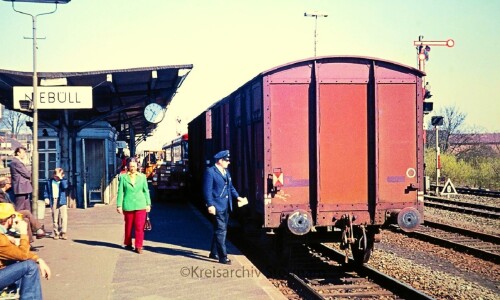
(138, 250)
(213, 256)
(225, 261)
(40, 234)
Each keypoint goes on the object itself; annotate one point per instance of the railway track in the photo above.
(480, 245)
(463, 207)
(318, 272)
(478, 192)
(469, 191)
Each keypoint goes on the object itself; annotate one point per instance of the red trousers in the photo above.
(134, 220)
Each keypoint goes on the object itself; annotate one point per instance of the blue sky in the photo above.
(231, 41)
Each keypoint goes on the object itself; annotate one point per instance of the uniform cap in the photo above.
(224, 154)
(6, 210)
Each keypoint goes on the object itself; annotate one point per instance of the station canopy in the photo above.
(119, 96)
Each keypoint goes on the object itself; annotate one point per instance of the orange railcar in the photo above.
(323, 145)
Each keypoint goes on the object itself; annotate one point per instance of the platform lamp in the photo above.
(437, 121)
(34, 107)
(315, 15)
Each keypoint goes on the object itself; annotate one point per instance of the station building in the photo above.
(85, 141)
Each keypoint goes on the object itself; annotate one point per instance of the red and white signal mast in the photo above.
(423, 49)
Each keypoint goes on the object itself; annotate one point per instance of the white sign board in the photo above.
(55, 97)
(448, 188)
(121, 144)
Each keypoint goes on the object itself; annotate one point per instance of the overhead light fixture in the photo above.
(315, 14)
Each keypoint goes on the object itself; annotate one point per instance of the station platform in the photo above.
(92, 264)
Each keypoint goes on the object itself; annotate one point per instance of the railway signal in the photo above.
(423, 48)
(428, 106)
(437, 121)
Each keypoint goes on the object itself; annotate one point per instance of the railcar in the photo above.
(326, 149)
(172, 174)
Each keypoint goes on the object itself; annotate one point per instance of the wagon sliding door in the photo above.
(397, 132)
(342, 151)
(287, 146)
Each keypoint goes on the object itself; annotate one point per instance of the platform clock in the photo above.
(154, 113)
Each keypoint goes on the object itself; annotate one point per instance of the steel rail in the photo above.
(477, 192)
(469, 191)
(395, 286)
(470, 233)
(457, 206)
(473, 237)
(463, 203)
(309, 292)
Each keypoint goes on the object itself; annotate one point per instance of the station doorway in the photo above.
(94, 166)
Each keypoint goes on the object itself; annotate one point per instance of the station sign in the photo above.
(55, 97)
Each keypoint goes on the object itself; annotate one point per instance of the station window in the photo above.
(47, 157)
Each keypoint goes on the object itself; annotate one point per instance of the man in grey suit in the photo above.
(21, 180)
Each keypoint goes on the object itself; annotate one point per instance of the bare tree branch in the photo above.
(13, 121)
(453, 121)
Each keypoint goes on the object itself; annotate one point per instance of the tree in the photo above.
(453, 121)
(13, 121)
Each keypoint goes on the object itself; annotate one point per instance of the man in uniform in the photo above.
(218, 191)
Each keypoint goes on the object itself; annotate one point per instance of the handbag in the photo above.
(147, 224)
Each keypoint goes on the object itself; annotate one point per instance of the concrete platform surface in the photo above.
(92, 264)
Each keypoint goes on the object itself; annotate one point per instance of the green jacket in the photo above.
(133, 197)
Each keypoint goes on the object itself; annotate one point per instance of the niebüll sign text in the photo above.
(59, 97)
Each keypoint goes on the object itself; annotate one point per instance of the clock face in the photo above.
(154, 113)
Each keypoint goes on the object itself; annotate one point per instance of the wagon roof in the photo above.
(341, 58)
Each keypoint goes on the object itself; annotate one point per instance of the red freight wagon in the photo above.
(323, 145)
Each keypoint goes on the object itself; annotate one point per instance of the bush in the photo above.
(483, 172)
(486, 174)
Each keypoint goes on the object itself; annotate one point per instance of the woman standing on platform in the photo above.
(133, 202)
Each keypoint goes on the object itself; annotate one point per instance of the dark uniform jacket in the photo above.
(218, 190)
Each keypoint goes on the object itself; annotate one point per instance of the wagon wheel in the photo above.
(363, 246)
